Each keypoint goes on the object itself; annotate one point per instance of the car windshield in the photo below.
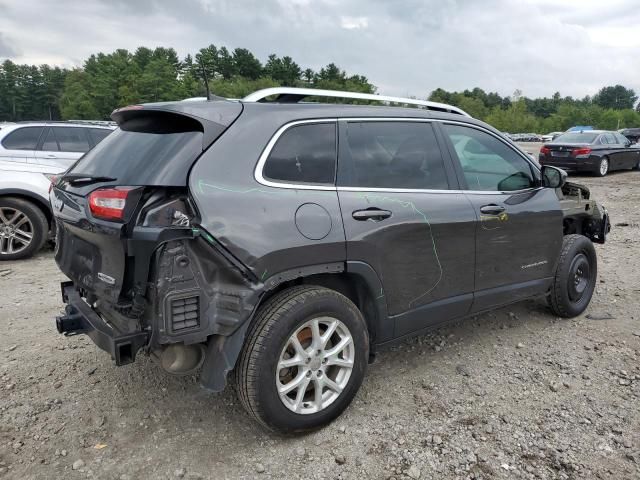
(577, 137)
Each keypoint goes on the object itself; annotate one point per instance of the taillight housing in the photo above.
(578, 152)
(545, 151)
(110, 203)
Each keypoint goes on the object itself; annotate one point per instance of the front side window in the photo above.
(25, 138)
(391, 155)
(304, 154)
(611, 140)
(489, 164)
(72, 139)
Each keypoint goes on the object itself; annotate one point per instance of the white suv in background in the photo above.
(30, 153)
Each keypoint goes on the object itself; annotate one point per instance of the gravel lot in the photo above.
(516, 393)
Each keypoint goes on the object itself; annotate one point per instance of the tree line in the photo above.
(611, 108)
(107, 81)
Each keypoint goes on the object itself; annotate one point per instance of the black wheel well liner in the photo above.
(30, 197)
(365, 292)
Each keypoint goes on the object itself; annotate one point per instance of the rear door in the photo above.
(405, 217)
(519, 233)
(631, 153)
(615, 151)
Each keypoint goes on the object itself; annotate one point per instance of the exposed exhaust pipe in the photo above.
(180, 359)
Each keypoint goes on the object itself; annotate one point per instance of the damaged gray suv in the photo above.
(275, 243)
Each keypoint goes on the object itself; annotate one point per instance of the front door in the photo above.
(519, 232)
(403, 217)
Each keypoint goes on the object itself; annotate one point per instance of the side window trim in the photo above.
(535, 170)
(258, 172)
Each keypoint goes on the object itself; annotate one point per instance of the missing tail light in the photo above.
(109, 203)
(578, 152)
(173, 212)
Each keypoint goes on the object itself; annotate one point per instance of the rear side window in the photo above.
(25, 138)
(98, 134)
(71, 139)
(610, 139)
(151, 150)
(304, 154)
(392, 155)
(489, 164)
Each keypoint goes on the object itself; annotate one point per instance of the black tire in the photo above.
(599, 171)
(275, 322)
(575, 277)
(38, 229)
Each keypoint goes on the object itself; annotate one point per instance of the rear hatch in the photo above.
(98, 201)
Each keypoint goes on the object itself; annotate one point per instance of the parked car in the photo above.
(592, 151)
(284, 242)
(549, 137)
(632, 134)
(30, 154)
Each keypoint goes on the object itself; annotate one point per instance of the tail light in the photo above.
(545, 151)
(109, 203)
(577, 152)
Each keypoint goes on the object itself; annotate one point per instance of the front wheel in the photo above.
(603, 167)
(575, 277)
(303, 360)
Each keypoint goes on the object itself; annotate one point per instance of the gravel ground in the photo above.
(516, 393)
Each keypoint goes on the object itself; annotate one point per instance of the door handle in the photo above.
(49, 155)
(492, 209)
(373, 213)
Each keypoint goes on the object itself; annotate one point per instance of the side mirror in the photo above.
(553, 177)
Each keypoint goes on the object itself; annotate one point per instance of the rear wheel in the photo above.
(303, 360)
(603, 167)
(23, 228)
(575, 277)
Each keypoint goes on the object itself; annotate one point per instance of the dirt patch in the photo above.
(516, 393)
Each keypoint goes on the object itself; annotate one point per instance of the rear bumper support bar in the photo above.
(80, 318)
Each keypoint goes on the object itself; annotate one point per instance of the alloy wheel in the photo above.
(315, 365)
(16, 231)
(604, 166)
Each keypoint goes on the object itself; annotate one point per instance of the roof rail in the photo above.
(295, 95)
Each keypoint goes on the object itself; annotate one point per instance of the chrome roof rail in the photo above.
(295, 95)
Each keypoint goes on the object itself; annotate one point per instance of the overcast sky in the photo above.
(405, 47)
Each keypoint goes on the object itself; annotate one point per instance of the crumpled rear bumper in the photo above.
(80, 318)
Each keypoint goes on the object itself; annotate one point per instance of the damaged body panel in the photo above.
(582, 214)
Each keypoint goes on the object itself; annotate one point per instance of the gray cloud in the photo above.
(6, 50)
(405, 47)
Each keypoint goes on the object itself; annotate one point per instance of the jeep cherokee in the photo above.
(282, 242)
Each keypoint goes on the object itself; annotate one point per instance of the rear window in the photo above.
(304, 154)
(576, 137)
(144, 153)
(25, 138)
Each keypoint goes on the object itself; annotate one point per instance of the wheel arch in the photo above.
(28, 196)
(358, 282)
